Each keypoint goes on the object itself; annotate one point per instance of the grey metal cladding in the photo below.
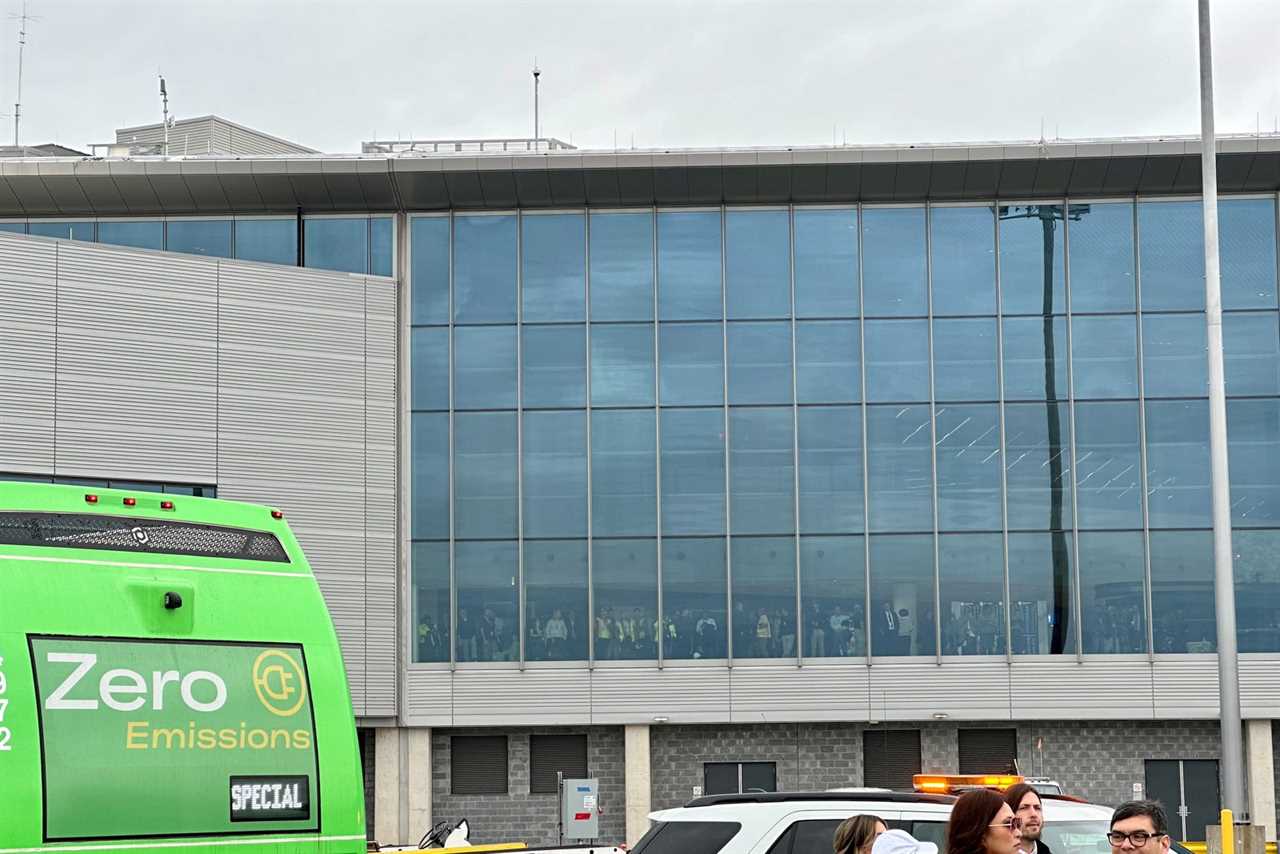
(27, 352)
(137, 193)
(568, 187)
(382, 664)
(137, 346)
(534, 188)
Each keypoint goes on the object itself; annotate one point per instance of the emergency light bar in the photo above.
(947, 783)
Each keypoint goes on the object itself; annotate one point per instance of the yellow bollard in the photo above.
(1228, 833)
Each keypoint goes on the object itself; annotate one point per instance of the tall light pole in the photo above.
(536, 130)
(1223, 578)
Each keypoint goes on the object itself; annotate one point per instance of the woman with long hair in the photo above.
(982, 823)
(856, 834)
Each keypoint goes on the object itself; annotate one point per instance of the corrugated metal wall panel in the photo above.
(1095, 689)
(1259, 686)
(637, 694)
(1185, 686)
(497, 697)
(428, 698)
(137, 345)
(960, 688)
(817, 693)
(27, 351)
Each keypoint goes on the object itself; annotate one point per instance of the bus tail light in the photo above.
(130, 502)
(166, 505)
(277, 514)
(91, 499)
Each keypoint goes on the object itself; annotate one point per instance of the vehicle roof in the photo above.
(787, 797)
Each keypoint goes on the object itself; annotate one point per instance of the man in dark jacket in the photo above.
(1024, 800)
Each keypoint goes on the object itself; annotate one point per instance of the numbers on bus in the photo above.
(4, 685)
(5, 733)
(4, 705)
(4, 739)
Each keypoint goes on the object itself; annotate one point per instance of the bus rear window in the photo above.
(126, 534)
(687, 837)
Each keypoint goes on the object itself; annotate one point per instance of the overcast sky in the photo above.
(695, 73)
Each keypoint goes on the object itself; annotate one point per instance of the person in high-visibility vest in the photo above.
(764, 634)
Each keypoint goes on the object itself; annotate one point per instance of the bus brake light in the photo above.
(166, 505)
(130, 502)
(277, 514)
(91, 499)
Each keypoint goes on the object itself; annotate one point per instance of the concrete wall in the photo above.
(520, 815)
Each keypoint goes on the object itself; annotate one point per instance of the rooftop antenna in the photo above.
(22, 43)
(536, 131)
(166, 123)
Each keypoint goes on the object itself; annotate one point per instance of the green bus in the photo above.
(170, 680)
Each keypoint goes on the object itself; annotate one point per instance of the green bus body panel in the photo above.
(223, 725)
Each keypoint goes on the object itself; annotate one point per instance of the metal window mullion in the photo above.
(453, 581)
(1148, 605)
(1004, 450)
(798, 625)
(657, 440)
(1078, 596)
(866, 466)
(728, 502)
(520, 591)
(933, 437)
(586, 313)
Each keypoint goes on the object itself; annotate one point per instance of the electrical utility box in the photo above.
(580, 809)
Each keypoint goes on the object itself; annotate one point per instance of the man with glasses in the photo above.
(1139, 827)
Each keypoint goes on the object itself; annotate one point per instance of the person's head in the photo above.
(901, 842)
(1024, 800)
(556, 614)
(982, 823)
(856, 834)
(1139, 827)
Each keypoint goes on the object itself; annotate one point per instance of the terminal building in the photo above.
(693, 471)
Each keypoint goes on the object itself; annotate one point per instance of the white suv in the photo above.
(804, 823)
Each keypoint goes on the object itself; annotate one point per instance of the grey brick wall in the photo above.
(520, 815)
(367, 762)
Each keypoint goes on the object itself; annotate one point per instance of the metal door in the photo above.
(1189, 790)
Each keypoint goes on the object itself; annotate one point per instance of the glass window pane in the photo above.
(900, 468)
(63, 229)
(691, 360)
(484, 367)
(1174, 363)
(1029, 344)
(894, 282)
(964, 360)
(963, 242)
(1178, 494)
(1040, 588)
(764, 597)
(484, 269)
(555, 365)
(430, 562)
(897, 353)
(273, 241)
(694, 592)
(1171, 244)
(1253, 446)
(430, 473)
(554, 274)
(971, 578)
(689, 266)
(622, 266)
(1247, 235)
(761, 471)
(833, 590)
(336, 243)
(759, 362)
(1104, 356)
(693, 471)
(758, 264)
(484, 475)
(902, 619)
(826, 260)
(555, 474)
(1251, 347)
(1102, 276)
(1257, 571)
(968, 449)
(625, 576)
(624, 473)
(430, 368)
(21, 228)
(429, 263)
(1032, 275)
(828, 361)
(622, 364)
(1111, 592)
(1182, 597)
(1038, 471)
(830, 441)
(381, 243)
(488, 601)
(1108, 469)
(555, 600)
(143, 235)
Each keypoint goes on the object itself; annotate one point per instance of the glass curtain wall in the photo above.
(819, 432)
